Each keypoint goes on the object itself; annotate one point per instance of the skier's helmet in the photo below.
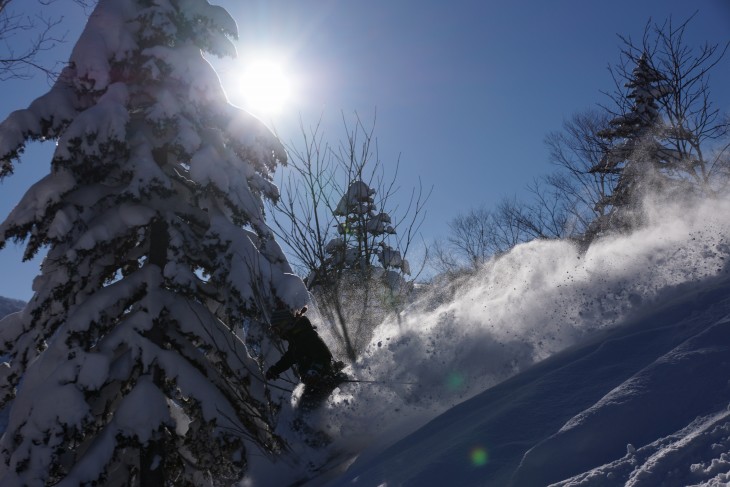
(282, 320)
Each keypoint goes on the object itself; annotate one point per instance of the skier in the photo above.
(308, 356)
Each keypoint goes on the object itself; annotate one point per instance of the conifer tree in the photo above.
(362, 276)
(668, 139)
(126, 367)
(363, 234)
(636, 157)
(346, 236)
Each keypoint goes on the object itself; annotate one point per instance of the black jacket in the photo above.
(307, 353)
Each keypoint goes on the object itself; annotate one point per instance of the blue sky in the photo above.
(465, 91)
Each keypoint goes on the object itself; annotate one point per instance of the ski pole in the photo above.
(379, 382)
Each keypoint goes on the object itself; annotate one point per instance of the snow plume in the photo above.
(531, 303)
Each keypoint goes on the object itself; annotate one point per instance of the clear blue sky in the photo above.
(465, 91)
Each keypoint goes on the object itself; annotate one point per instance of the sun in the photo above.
(265, 86)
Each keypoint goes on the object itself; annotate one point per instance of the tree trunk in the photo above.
(151, 455)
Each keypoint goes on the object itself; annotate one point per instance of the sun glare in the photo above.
(265, 86)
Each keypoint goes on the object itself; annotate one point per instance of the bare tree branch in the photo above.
(341, 252)
(25, 37)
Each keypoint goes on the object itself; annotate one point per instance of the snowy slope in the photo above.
(547, 365)
(8, 306)
(641, 404)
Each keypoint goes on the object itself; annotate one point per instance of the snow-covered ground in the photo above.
(609, 368)
(645, 403)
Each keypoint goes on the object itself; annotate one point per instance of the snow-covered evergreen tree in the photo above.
(126, 367)
(637, 156)
(363, 234)
(363, 277)
(337, 219)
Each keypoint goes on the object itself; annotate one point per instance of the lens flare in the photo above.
(455, 381)
(478, 456)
